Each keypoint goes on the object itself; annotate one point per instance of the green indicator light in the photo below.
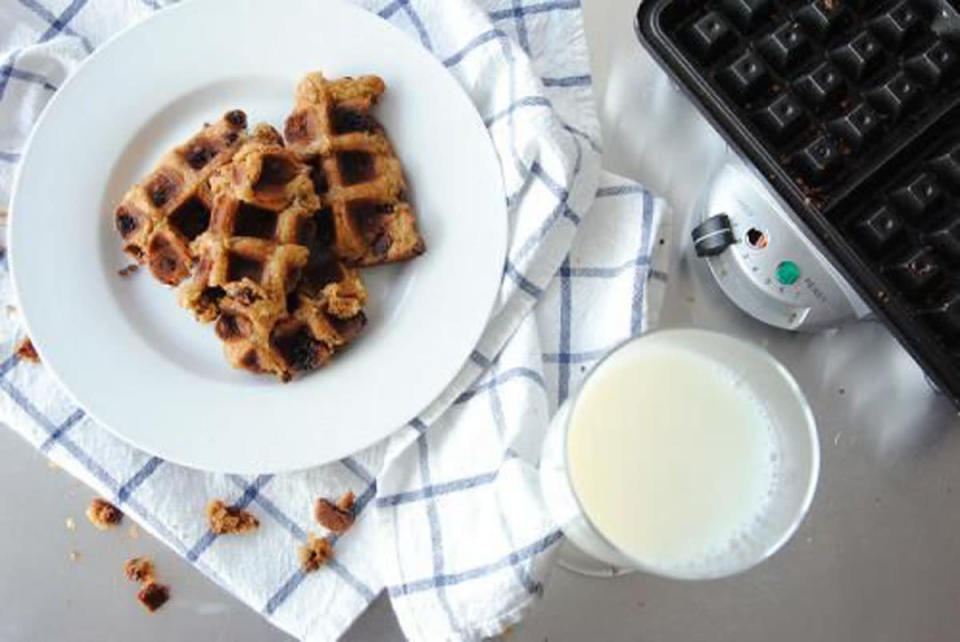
(788, 272)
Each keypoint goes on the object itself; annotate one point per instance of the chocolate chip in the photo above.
(161, 189)
(232, 326)
(126, 222)
(251, 361)
(165, 261)
(211, 295)
(297, 127)
(237, 118)
(199, 154)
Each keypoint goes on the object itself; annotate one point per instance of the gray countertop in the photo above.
(877, 559)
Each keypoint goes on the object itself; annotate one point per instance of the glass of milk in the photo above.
(685, 453)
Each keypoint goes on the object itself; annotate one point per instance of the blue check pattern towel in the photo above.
(450, 520)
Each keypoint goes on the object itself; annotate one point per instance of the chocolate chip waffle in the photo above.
(281, 300)
(354, 169)
(159, 217)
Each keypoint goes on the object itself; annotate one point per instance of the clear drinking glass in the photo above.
(589, 551)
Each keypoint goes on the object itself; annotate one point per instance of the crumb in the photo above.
(315, 553)
(52, 465)
(139, 570)
(103, 514)
(335, 517)
(74, 556)
(153, 596)
(346, 501)
(70, 523)
(661, 241)
(130, 269)
(225, 519)
(134, 532)
(11, 311)
(26, 351)
(829, 5)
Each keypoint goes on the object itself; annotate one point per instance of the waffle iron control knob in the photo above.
(713, 236)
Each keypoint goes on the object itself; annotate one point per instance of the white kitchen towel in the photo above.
(450, 521)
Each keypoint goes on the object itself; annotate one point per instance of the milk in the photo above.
(672, 458)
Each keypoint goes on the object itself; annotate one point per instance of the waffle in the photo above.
(266, 274)
(354, 169)
(159, 217)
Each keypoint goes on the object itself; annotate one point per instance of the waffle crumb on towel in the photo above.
(315, 553)
(103, 514)
(226, 520)
(346, 501)
(26, 351)
(335, 517)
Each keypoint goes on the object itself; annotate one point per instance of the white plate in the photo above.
(141, 365)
